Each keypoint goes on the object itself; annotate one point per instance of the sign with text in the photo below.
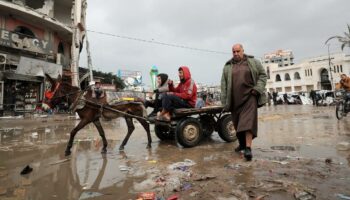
(20, 41)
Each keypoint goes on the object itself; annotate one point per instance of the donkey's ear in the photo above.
(59, 78)
(50, 79)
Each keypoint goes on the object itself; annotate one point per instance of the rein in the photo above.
(68, 94)
(94, 103)
(115, 110)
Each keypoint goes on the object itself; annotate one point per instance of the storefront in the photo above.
(21, 93)
(22, 90)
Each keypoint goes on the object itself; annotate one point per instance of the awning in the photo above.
(34, 67)
(21, 77)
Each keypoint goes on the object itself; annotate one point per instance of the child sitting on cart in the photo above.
(162, 88)
(183, 96)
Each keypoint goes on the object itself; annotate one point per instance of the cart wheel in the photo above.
(189, 132)
(339, 110)
(208, 124)
(226, 130)
(163, 132)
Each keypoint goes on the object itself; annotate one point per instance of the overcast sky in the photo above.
(262, 26)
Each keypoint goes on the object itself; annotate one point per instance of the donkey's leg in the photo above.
(102, 134)
(145, 125)
(131, 128)
(81, 125)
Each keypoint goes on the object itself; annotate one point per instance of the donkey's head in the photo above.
(56, 94)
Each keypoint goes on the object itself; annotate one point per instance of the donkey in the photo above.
(94, 109)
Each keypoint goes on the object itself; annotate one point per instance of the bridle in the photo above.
(51, 95)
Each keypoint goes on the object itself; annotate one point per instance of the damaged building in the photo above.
(37, 37)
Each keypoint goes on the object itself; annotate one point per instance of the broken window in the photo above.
(35, 4)
(60, 48)
(23, 31)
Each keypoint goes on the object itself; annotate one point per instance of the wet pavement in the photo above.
(301, 152)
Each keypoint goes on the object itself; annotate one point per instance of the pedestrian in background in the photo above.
(243, 84)
(269, 98)
(345, 82)
(274, 97)
(313, 96)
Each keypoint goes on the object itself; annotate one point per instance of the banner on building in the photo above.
(34, 67)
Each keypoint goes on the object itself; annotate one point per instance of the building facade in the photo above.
(282, 58)
(37, 37)
(317, 73)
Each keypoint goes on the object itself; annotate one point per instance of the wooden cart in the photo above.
(189, 126)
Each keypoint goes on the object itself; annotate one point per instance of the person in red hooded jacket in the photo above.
(183, 96)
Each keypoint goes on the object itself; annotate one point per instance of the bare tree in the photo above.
(345, 41)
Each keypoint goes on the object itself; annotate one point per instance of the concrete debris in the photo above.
(280, 162)
(60, 161)
(193, 194)
(12, 117)
(342, 196)
(124, 168)
(35, 135)
(303, 195)
(204, 177)
(40, 116)
(89, 195)
(240, 194)
(343, 146)
(283, 148)
(145, 185)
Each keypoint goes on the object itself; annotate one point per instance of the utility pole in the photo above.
(330, 68)
(89, 57)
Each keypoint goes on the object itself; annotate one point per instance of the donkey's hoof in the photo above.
(67, 153)
(121, 148)
(103, 151)
(149, 146)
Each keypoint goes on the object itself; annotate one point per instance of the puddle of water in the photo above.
(290, 147)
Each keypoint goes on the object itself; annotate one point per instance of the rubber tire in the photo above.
(162, 132)
(226, 129)
(208, 125)
(191, 125)
(339, 110)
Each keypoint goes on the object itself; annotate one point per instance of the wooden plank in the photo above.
(192, 111)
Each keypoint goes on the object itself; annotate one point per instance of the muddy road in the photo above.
(302, 152)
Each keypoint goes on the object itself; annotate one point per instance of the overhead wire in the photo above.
(157, 42)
